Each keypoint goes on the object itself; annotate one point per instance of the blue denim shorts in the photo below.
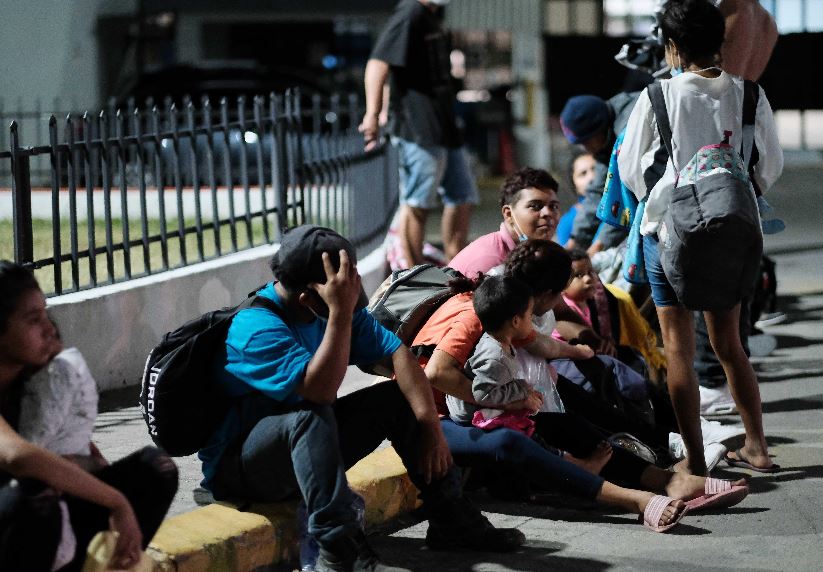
(429, 172)
(662, 292)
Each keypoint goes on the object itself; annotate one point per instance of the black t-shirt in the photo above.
(417, 49)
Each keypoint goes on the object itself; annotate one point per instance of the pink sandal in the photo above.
(718, 494)
(654, 510)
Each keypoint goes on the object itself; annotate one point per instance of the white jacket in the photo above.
(700, 110)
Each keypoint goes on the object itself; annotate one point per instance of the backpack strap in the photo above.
(263, 302)
(657, 169)
(751, 96)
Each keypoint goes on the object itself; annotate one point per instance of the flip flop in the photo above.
(719, 494)
(743, 464)
(654, 510)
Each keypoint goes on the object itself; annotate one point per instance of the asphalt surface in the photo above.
(778, 527)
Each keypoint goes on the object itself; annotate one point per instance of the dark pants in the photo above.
(709, 371)
(146, 478)
(517, 457)
(587, 405)
(572, 433)
(305, 449)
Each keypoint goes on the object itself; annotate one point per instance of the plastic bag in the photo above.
(101, 549)
(536, 371)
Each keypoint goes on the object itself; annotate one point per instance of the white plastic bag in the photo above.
(536, 371)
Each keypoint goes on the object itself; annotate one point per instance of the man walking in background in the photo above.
(413, 49)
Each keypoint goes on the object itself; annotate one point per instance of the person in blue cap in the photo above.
(594, 123)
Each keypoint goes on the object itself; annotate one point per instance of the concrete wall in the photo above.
(48, 50)
(116, 326)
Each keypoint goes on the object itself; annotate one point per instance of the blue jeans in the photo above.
(515, 452)
(305, 450)
(427, 172)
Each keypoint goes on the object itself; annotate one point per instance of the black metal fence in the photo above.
(131, 192)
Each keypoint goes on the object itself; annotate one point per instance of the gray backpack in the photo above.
(406, 300)
(710, 242)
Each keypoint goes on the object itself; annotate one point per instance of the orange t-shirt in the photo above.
(455, 329)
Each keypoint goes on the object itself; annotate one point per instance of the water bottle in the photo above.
(309, 549)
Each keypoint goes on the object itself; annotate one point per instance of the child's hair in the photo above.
(696, 26)
(577, 254)
(463, 284)
(15, 280)
(576, 154)
(498, 299)
(542, 264)
(525, 178)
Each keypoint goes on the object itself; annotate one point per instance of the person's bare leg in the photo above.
(454, 228)
(725, 338)
(677, 485)
(677, 326)
(412, 230)
(636, 501)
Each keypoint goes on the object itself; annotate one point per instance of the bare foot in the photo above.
(595, 462)
(670, 513)
(686, 487)
(687, 468)
(760, 460)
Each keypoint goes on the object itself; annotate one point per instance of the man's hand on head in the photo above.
(342, 288)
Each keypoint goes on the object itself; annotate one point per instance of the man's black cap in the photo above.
(299, 261)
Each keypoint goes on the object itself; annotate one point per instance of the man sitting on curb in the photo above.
(288, 435)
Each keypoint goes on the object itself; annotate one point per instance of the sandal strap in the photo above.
(715, 486)
(654, 510)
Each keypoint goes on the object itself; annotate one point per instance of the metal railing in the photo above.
(131, 192)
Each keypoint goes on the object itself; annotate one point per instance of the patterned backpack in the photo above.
(710, 241)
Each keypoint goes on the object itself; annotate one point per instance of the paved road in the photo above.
(779, 527)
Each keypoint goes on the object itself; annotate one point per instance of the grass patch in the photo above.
(142, 259)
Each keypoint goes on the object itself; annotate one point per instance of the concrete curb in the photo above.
(220, 537)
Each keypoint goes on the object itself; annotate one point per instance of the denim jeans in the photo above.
(520, 456)
(305, 449)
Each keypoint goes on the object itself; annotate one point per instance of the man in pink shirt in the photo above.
(528, 202)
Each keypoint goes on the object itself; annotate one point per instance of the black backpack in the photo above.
(180, 402)
(406, 300)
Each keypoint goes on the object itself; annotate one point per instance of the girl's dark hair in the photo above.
(577, 254)
(525, 178)
(576, 154)
(463, 284)
(696, 26)
(15, 280)
(498, 299)
(542, 264)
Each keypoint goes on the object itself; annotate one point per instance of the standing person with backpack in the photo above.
(50, 507)
(286, 434)
(705, 107)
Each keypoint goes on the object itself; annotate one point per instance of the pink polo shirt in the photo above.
(485, 253)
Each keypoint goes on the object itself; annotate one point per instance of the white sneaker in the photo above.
(712, 453)
(770, 319)
(716, 432)
(716, 401)
(762, 345)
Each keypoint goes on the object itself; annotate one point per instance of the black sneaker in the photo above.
(351, 554)
(459, 524)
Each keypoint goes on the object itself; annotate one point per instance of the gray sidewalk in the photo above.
(778, 527)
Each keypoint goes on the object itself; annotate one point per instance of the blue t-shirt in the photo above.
(564, 226)
(266, 354)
